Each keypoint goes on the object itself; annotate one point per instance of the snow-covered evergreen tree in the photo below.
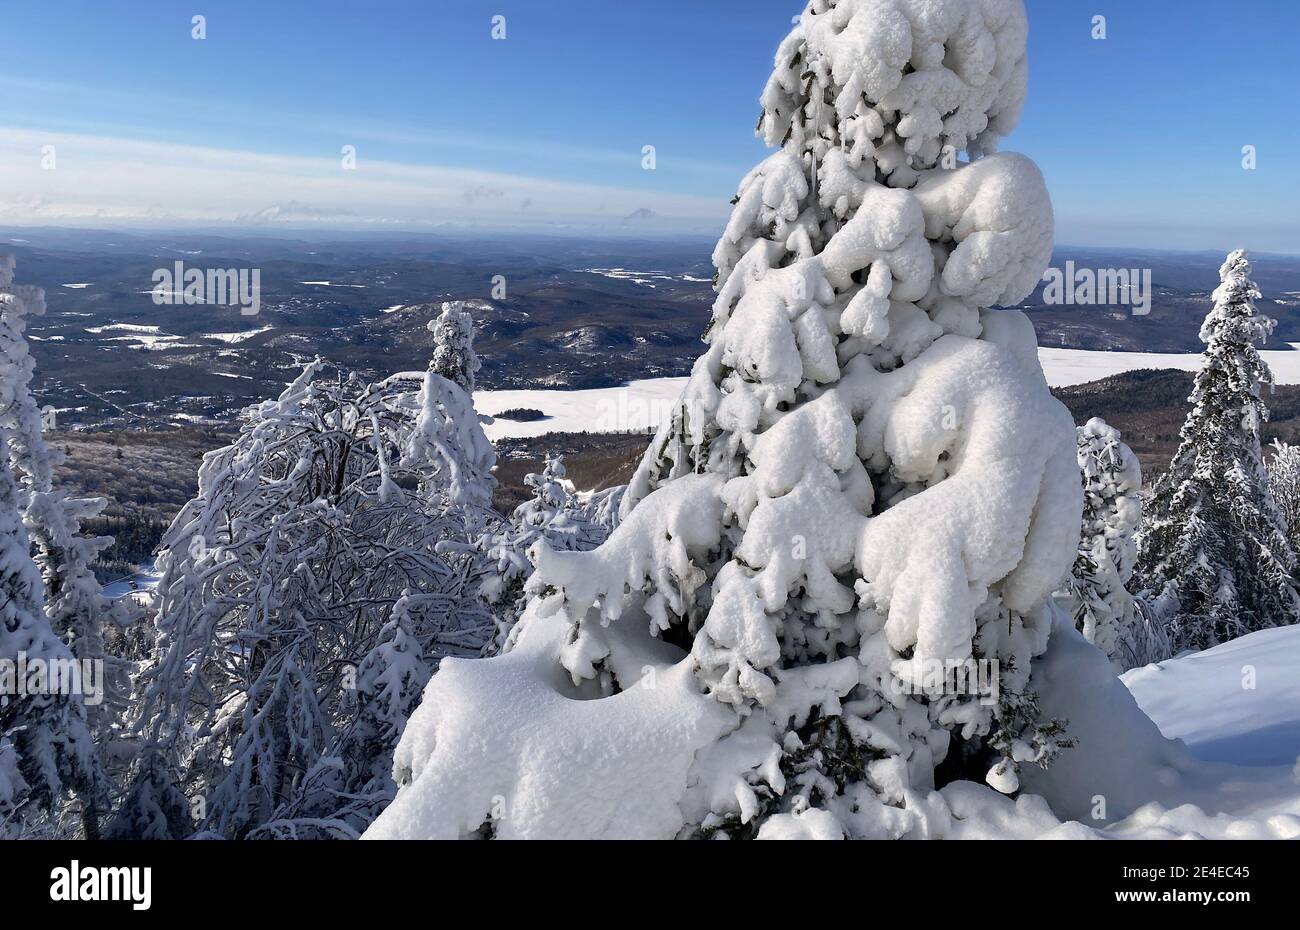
(448, 446)
(1214, 553)
(280, 579)
(153, 807)
(389, 682)
(867, 480)
(453, 345)
(53, 740)
(47, 729)
(1104, 610)
(1284, 483)
(555, 514)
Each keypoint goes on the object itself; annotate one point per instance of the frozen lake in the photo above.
(644, 404)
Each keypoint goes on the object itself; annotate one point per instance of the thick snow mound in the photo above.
(1238, 702)
(511, 742)
(1125, 777)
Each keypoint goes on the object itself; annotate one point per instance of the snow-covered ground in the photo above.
(646, 278)
(1238, 702)
(645, 404)
(236, 337)
(140, 587)
(1223, 764)
(123, 327)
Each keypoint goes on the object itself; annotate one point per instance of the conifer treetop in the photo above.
(453, 349)
(894, 83)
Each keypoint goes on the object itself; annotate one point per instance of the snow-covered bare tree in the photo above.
(554, 514)
(280, 579)
(345, 790)
(59, 620)
(1213, 553)
(1097, 593)
(1284, 483)
(867, 482)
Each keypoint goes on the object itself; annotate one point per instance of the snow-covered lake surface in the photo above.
(645, 404)
(1064, 367)
(636, 406)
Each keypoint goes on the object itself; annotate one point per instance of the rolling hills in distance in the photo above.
(143, 390)
(577, 314)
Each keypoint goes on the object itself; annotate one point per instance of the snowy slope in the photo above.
(645, 404)
(1238, 702)
(1126, 779)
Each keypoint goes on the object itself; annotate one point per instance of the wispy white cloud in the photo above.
(99, 178)
(350, 127)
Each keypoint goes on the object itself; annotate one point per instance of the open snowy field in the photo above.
(643, 404)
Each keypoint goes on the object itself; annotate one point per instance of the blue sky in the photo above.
(1139, 135)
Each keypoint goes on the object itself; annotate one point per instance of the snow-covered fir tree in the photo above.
(453, 345)
(867, 480)
(1213, 553)
(55, 621)
(554, 514)
(75, 604)
(1098, 597)
(279, 581)
(1284, 483)
(46, 729)
(448, 447)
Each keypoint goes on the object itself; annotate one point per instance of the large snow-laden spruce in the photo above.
(1097, 594)
(48, 734)
(289, 639)
(1214, 554)
(867, 480)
